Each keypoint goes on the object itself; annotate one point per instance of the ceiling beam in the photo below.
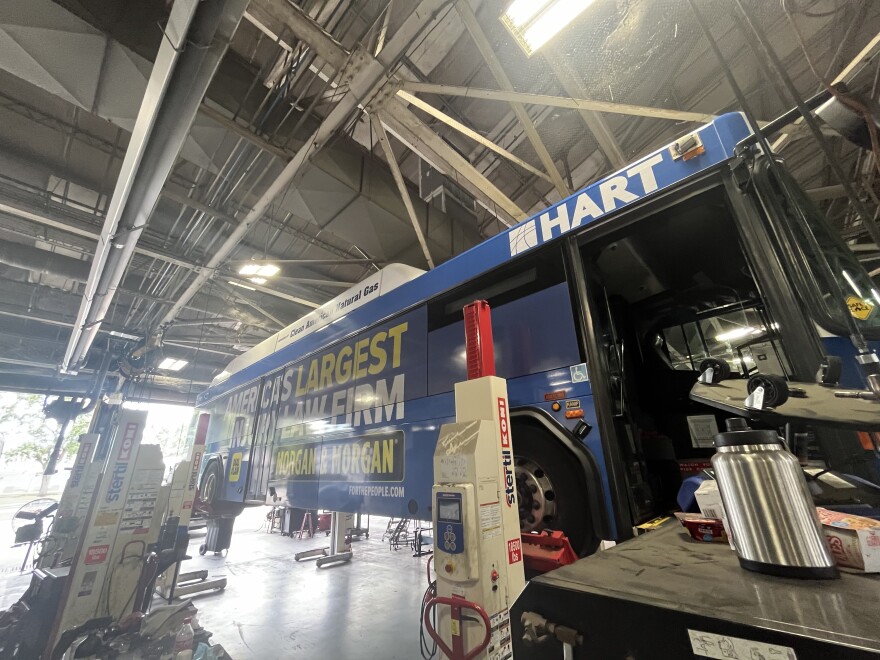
(401, 121)
(308, 262)
(595, 123)
(557, 102)
(177, 84)
(208, 110)
(401, 187)
(368, 76)
(45, 220)
(469, 18)
(317, 282)
(472, 134)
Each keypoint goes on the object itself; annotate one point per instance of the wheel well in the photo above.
(540, 420)
(219, 508)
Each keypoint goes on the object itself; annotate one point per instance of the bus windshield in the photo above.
(832, 272)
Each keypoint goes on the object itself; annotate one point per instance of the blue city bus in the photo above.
(603, 308)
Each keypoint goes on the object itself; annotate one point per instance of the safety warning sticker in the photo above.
(490, 519)
(724, 647)
(500, 646)
(514, 551)
(453, 468)
(859, 308)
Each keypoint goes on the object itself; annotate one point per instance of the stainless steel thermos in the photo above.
(770, 513)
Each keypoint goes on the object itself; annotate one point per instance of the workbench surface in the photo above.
(667, 569)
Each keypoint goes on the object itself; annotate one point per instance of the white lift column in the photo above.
(477, 547)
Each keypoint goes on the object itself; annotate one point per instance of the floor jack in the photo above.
(340, 542)
(478, 556)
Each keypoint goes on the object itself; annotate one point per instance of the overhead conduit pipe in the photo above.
(368, 78)
(196, 37)
(45, 262)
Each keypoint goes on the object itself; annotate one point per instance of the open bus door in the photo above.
(687, 277)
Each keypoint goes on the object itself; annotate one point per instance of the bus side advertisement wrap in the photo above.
(333, 411)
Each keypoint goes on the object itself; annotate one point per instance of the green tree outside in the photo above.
(26, 434)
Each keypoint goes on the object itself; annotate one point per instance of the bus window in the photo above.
(830, 273)
(683, 346)
(532, 324)
(741, 337)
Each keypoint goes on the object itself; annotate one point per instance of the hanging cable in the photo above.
(847, 99)
(427, 650)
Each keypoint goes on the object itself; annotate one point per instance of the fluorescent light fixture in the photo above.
(258, 280)
(736, 333)
(534, 22)
(874, 293)
(852, 283)
(258, 269)
(170, 364)
(249, 269)
(241, 286)
(123, 335)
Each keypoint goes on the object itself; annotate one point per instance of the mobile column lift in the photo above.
(477, 547)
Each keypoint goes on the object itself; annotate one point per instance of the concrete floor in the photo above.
(275, 607)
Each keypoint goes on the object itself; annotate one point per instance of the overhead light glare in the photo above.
(259, 270)
(258, 280)
(123, 335)
(170, 364)
(241, 286)
(534, 22)
(736, 333)
(521, 12)
(852, 283)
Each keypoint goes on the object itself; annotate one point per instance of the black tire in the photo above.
(210, 481)
(775, 389)
(720, 369)
(203, 549)
(535, 448)
(829, 371)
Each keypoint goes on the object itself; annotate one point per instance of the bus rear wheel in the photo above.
(550, 491)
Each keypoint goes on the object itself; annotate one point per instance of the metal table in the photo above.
(663, 595)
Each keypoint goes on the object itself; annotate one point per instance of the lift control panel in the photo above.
(456, 549)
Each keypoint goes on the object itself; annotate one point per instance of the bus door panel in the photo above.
(237, 459)
(617, 347)
(231, 429)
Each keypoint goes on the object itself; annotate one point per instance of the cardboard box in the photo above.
(854, 540)
(709, 500)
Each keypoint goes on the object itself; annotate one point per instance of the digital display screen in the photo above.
(449, 510)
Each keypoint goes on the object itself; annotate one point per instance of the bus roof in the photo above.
(374, 285)
(704, 148)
